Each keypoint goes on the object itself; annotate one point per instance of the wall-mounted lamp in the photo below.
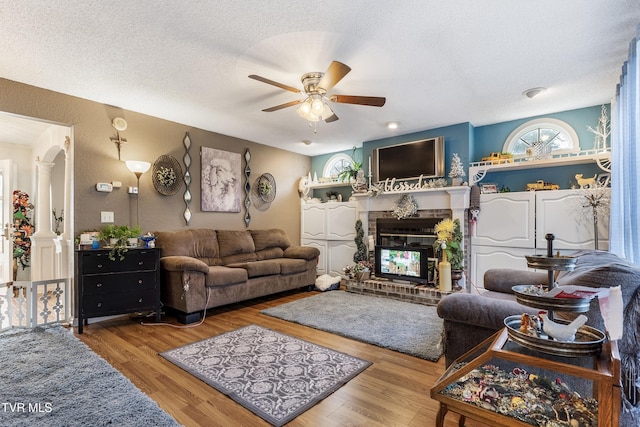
(120, 125)
(138, 168)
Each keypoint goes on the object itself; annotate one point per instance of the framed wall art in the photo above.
(221, 181)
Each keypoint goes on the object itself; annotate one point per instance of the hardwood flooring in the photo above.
(394, 391)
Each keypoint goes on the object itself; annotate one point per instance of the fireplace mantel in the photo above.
(454, 198)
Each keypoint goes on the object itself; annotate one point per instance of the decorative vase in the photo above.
(362, 275)
(456, 275)
(444, 273)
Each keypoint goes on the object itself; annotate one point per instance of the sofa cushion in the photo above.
(201, 244)
(236, 246)
(303, 252)
(258, 268)
(221, 276)
(269, 253)
(273, 238)
(292, 265)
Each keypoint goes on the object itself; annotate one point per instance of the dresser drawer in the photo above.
(118, 282)
(116, 303)
(135, 260)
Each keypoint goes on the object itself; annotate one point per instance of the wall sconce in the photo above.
(120, 125)
(138, 168)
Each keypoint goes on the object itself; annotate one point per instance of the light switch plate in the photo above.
(104, 187)
(106, 217)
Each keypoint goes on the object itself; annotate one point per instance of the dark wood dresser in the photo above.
(105, 287)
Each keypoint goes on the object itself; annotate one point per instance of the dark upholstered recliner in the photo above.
(471, 318)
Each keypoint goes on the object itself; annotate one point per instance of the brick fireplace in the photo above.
(433, 204)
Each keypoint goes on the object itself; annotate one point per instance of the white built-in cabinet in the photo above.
(330, 227)
(512, 225)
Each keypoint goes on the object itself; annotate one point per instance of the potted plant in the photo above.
(132, 235)
(360, 271)
(118, 238)
(354, 174)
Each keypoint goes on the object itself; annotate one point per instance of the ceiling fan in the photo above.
(317, 86)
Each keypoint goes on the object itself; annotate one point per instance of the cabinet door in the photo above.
(484, 258)
(506, 220)
(341, 221)
(339, 255)
(322, 258)
(563, 214)
(313, 222)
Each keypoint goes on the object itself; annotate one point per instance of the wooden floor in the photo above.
(393, 391)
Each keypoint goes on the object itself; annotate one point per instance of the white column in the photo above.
(43, 202)
(66, 235)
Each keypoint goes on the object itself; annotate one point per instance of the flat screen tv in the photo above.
(404, 263)
(409, 160)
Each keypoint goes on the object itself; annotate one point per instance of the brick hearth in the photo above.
(406, 292)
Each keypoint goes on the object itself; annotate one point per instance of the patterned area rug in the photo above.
(275, 376)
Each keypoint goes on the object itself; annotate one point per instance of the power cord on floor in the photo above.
(192, 325)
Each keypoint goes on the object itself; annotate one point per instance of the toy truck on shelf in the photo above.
(541, 185)
(497, 158)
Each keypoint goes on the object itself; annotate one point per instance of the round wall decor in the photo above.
(267, 187)
(167, 175)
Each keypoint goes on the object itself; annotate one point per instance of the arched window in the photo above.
(541, 138)
(335, 165)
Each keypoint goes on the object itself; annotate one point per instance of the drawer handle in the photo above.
(99, 304)
(99, 265)
(98, 285)
(140, 262)
(140, 282)
(140, 300)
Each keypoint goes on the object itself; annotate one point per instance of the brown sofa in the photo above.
(205, 268)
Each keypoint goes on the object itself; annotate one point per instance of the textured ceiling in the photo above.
(437, 62)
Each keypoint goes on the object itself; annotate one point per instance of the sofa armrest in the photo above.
(502, 279)
(183, 263)
(303, 252)
(479, 311)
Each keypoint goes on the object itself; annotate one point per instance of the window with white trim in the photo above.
(542, 137)
(335, 165)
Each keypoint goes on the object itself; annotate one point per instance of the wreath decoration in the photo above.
(405, 207)
(166, 175)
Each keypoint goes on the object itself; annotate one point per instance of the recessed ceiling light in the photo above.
(306, 142)
(392, 125)
(533, 92)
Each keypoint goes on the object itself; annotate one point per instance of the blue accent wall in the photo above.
(472, 143)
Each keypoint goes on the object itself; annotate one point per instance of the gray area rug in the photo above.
(51, 378)
(275, 376)
(413, 329)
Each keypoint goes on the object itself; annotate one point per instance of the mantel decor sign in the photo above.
(221, 180)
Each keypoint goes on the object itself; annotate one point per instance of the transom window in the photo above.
(335, 165)
(542, 136)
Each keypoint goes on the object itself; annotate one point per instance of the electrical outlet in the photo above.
(106, 217)
(133, 190)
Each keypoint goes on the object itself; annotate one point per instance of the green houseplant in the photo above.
(117, 237)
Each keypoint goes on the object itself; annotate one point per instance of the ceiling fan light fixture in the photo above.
(317, 106)
(304, 109)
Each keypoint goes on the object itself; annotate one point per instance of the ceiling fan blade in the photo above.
(271, 82)
(331, 118)
(328, 115)
(281, 106)
(335, 73)
(373, 101)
